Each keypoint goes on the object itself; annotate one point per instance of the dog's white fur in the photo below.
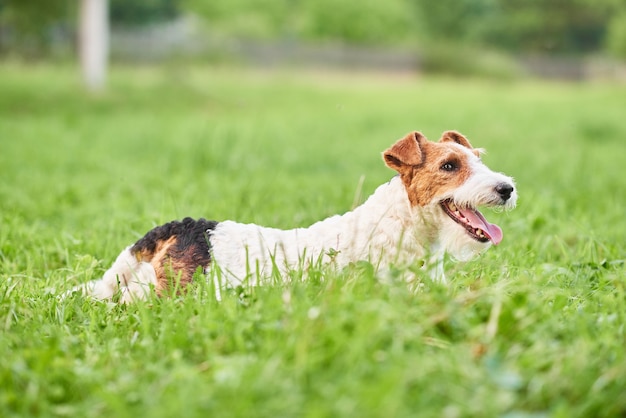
(386, 230)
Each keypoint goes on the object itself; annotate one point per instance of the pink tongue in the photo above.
(477, 220)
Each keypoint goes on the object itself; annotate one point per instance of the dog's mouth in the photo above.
(474, 222)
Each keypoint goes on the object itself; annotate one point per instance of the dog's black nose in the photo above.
(504, 190)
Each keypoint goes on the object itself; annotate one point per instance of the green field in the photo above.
(533, 328)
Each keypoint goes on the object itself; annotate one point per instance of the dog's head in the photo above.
(449, 179)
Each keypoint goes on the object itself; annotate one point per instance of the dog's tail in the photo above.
(129, 278)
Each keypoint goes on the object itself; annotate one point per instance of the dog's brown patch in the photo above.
(175, 251)
(429, 169)
(160, 262)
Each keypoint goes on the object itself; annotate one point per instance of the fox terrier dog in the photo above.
(425, 211)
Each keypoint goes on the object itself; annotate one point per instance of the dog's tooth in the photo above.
(453, 206)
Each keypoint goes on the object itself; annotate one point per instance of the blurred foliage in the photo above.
(124, 12)
(517, 26)
(561, 26)
(362, 22)
(616, 38)
(29, 26)
(367, 21)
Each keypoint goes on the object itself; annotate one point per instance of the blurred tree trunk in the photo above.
(93, 42)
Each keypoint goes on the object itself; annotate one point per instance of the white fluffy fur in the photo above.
(384, 230)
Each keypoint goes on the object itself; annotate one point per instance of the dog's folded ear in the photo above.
(406, 152)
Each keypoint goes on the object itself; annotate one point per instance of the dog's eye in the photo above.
(449, 166)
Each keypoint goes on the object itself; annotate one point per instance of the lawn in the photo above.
(533, 328)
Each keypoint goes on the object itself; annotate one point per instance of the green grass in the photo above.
(535, 327)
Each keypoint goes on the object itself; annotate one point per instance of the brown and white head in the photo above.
(445, 182)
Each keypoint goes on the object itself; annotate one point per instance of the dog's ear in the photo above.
(406, 152)
(454, 136)
(457, 137)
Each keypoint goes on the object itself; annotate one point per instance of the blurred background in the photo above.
(564, 39)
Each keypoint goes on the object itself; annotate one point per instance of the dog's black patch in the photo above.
(188, 232)
(177, 247)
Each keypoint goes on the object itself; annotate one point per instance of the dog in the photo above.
(427, 210)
